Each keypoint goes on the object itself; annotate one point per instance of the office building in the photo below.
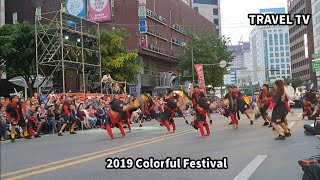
(210, 9)
(241, 71)
(301, 43)
(271, 53)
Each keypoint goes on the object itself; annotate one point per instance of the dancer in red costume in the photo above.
(230, 109)
(264, 101)
(241, 105)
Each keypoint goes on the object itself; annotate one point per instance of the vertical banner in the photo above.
(142, 26)
(306, 53)
(100, 10)
(201, 81)
(143, 41)
(76, 8)
(142, 12)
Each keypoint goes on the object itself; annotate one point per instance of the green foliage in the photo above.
(208, 49)
(121, 63)
(17, 47)
(296, 82)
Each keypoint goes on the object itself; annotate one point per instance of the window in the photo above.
(282, 66)
(287, 54)
(276, 49)
(196, 9)
(272, 67)
(275, 39)
(215, 11)
(277, 66)
(14, 18)
(288, 60)
(271, 54)
(270, 40)
(216, 22)
(271, 60)
(282, 54)
(286, 38)
(288, 71)
(283, 77)
(282, 60)
(287, 48)
(282, 48)
(281, 39)
(317, 7)
(317, 19)
(271, 48)
(213, 2)
(276, 54)
(272, 72)
(288, 66)
(318, 30)
(277, 60)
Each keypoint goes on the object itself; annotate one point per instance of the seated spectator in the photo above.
(309, 130)
(51, 119)
(41, 117)
(92, 117)
(3, 123)
(101, 115)
(83, 116)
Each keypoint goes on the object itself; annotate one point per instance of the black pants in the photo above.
(3, 130)
(313, 130)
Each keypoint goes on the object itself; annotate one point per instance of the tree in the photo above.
(17, 47)
(117, 60)
(208, 49)
(296, 82)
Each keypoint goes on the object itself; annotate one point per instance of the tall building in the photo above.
(210, 9)
(241, 72)
(160, 36)
(271, 52)
(316, 25)
(301, 43)
(2, 12)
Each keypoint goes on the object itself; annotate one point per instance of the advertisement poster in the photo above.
(100, 10)
(143, 41)
(77, 8)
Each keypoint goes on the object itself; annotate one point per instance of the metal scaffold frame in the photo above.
(64, 41)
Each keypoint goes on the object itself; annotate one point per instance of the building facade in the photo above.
(166, 22)
(316, 26)
(2, 12)
(210, 9)
(241, 71)
(301, 43)
(271, 52)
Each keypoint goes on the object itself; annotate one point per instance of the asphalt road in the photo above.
(252, 153)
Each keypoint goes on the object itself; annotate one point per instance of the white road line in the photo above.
(251, 167)
(291, 125)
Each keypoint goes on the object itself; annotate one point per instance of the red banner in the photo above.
(199, 70)
(143, 41)
(100, 10)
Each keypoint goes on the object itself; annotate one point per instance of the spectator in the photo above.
(51, 119)
(92, 117)
(101, 115)
(83, 116)
(2, 101)
(3, 123)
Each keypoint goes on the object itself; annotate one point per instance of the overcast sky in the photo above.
(234, 16)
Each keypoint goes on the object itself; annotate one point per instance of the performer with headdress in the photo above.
(196, 95)
(241, 105)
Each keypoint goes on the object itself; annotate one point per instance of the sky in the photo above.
(234, 16)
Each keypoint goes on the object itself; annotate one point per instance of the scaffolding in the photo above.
(66, 42)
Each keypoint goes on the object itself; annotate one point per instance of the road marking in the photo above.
(91, 158)
(251, 167)
(291, 125)
(103, 151)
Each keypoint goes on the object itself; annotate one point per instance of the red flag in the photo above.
(199, 70)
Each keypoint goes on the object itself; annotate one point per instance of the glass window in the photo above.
(287, 54)
(272, 66)
(281, 39)
(282, 54)
(288, 60)
(277, 66)
(15, 18)
(277, 60)
(282, 48)
(275, 39)
(271, 48)
(270, 40)
(276, 49)
(282, 66)
(287, 48)
(288, 71)
(276, 54)
(216, 22)
(286, 38)
(282, 60)
(213, 2)
(271, 60)
(278, 72)
(272, 72)
(288, 66)
(283, 77)
(215, 11)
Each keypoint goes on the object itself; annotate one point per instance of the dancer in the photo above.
(230, 108)
(116, 109)
(242, 106)
(264, 101)
(196, 95)
(279, 111)
(15, 116)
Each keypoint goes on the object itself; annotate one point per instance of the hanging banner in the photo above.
(199, 70)
(76, 8)
(305, 39)
(143, 41)
(100, 10)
